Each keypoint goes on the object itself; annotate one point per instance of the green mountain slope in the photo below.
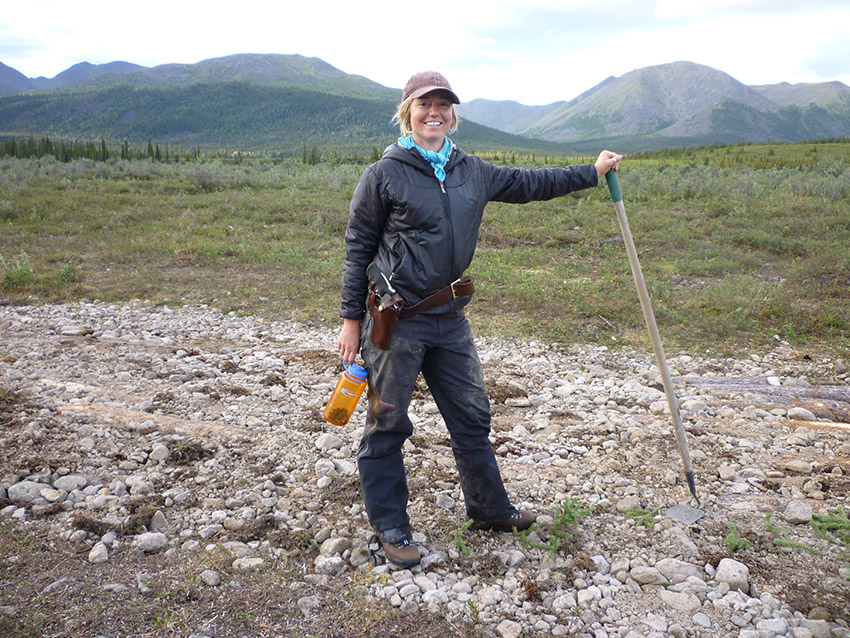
(12, 81)
(237, 115)
(281, 71)
(833, 96)
(679, 104)
(508, 115)
(674, 100)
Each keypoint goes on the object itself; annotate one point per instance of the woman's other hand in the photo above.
(607, 161)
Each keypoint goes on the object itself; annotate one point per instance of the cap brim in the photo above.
(427, 89)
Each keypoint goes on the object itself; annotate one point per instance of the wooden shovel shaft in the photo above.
(649, 317)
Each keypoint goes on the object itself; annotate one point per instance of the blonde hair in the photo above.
(402, 117)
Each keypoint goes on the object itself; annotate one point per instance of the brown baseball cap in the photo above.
(425, 82)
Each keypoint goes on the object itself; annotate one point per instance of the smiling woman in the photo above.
(412, 230)
(428, 111)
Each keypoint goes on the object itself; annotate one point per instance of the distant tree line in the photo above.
(68, 150)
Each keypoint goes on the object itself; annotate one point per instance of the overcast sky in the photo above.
(531, 51)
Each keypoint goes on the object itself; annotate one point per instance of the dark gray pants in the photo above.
(441, 347)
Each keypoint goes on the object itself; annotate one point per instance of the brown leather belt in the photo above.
(458, 288)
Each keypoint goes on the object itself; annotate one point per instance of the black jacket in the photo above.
(421, 232)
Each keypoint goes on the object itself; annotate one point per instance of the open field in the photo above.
(739, 245)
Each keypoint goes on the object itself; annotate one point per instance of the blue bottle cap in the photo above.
(356, 371)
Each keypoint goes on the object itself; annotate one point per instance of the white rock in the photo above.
(70, 482)
(628, 503)
(435, 597)
(675, 570)
(160, 452)
(799, 466)
(602, 564)
(819, 628)
(509, 629)
(647, 575)
(797, 511)
(701, 620)
(694, 406)
(565, 602)
(587, 596)
(151, 541)
(7, 511)
(446, 502)
(158, 522)
(344, 467)
(99, 554)
(53, 496)
(801, 414)
(776, 626)
(655, 622)
(334, 546)
(680, 601)
(424, 583)
(247, 564)
(211, 577)
(329, 441)
(733, 573)
(25, 492)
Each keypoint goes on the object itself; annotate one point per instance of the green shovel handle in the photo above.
(614, 186)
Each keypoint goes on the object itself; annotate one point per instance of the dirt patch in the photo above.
(49, 591)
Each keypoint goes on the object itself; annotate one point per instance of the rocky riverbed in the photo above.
(160, 465)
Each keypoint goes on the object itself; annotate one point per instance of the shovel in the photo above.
(661, 360)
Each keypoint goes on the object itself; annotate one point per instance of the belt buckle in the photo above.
(452, 286)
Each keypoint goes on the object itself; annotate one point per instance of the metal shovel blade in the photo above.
(685, 514)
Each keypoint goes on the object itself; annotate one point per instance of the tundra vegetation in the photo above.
(740, 245)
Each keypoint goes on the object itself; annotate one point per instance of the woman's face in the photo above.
(431, 119)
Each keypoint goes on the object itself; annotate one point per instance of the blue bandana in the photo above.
(437, 161)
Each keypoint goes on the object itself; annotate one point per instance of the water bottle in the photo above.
(346, 394)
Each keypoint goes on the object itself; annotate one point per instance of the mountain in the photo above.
(671, 99)
(680, 103)
(276, 70)
(12, 81)
(508, 116)
(83, 71)
(246, 102)
(282, 102)
(830, 95)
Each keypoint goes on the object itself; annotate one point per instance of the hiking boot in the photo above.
(518, 520)
(399, 548)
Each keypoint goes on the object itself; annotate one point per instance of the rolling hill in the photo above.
(680, 103)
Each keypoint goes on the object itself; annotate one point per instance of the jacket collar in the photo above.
(412, 157)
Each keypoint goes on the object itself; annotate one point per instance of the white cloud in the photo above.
(831, 58)
(534, 51)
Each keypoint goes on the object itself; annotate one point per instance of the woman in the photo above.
(415, 214)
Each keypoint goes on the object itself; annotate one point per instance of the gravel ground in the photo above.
(167, 472)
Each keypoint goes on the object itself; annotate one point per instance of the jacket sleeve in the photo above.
(366, 219)
(523, 185)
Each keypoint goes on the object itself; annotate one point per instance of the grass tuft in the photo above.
(734, 541)
(567, 517)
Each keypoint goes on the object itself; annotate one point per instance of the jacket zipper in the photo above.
(450, 231)
(449, 227)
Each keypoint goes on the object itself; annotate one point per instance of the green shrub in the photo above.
(17, 273)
